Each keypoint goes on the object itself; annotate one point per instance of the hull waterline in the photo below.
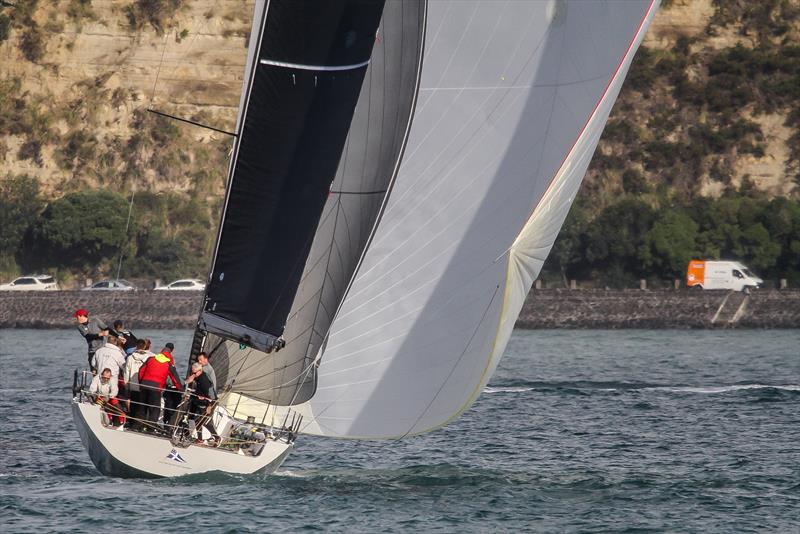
(135, 455)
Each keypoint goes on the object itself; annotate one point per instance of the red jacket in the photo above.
(157, 368)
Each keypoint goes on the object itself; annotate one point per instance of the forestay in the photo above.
(512, 101)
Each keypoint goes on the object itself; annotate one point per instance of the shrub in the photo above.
(32, 150)
(634, 182)
(153, 12)
(32, 43)
(5, 27)
(80, 9)
(80, 148)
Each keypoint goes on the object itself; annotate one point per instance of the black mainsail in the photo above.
(273, 268)
(308, 71)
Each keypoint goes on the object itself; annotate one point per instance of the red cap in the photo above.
(81, 312)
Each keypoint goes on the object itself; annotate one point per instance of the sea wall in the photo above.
(546, 308)
(686, 308)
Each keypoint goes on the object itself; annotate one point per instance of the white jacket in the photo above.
(108, 389)
(109, 357)
(135, 362)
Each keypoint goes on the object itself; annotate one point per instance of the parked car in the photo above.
(184, 285)
(111, 285)
(31, 282)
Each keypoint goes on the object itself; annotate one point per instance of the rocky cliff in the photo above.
(78, 75)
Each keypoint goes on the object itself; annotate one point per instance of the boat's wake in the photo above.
(585, 387)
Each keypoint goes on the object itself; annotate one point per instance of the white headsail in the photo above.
(512, 100)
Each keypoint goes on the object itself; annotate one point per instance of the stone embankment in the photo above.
(547, 308)
(686, 308)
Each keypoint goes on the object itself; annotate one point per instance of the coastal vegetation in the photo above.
(165, 237)
(631, 239)
(700, 157)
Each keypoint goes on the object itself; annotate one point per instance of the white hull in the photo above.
(135, 455)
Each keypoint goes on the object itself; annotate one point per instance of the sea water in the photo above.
(590, 431)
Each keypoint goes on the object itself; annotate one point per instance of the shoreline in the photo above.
(543, 309)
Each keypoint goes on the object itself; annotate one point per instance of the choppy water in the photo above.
(592, 431)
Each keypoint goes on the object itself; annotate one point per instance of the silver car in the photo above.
(184, 285)
(111, 285)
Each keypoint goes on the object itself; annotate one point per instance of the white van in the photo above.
(732, 275)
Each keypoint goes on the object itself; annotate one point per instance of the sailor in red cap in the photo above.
(93, 331)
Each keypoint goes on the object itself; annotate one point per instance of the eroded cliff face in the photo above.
(79, 107)
(689, 36)
(73, 95)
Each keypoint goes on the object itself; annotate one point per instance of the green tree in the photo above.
(80, 230)
(757, 249)
(781, 218)
(670, 244)
(19, 206)
(615, 238)
(568, 253)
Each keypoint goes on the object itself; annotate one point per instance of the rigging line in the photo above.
(301, 381)
(221, 342)
(127, 227)
(460, 357)
(244, 361)
(158, 71)
(350, 247)
(322, 285)
(167, 115)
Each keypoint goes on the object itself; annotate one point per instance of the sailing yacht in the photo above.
(399, 175)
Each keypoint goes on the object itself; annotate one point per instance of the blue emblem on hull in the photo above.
(174, 455)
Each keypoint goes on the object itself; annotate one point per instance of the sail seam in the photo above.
(395, 172)
(396, 169)
(301, 66)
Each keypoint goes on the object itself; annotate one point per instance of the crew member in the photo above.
(202, 357)
(203, 400)
(104, 390)
(110, 356)
(152, 380)
(127, 335)
(93, 331)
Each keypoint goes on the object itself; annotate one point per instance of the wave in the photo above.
(412, 476)
(584, 387)
(724, 389)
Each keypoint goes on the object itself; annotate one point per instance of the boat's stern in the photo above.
(129, 454)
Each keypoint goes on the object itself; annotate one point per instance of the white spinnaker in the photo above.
(513, 99)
